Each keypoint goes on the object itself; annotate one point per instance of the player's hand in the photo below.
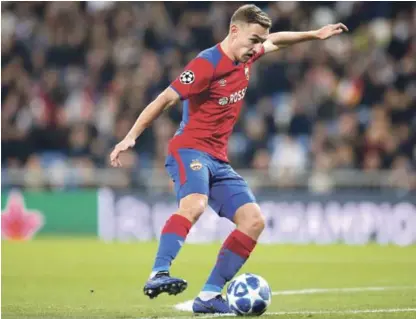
(330, 30)
(124, 145)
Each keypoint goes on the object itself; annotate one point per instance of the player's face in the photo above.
(247, 40)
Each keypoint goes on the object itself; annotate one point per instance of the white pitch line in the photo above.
(330, 290)
(356, 311)
(187, 305)
(325, 312)
(311, 312)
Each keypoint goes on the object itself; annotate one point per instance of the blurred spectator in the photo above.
(320, 181)
(288, 159)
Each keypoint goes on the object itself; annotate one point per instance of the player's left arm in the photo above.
(280, 40)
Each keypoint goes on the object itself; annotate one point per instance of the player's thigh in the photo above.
(228, 193)
(189, 170)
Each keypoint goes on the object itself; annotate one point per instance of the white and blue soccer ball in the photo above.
(248, 294)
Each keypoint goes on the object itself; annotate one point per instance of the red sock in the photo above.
(171, 240)
(233, 254)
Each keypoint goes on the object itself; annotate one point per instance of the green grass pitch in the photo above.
(86, 278)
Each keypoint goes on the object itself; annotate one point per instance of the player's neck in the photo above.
(225, 47)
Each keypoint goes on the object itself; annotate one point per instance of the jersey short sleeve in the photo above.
(258, 55)
(195, 78)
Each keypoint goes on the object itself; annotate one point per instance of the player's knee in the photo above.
(193, 206)
(250, 220)
(256, 223)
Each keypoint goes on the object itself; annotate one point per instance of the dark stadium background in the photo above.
(319, 115)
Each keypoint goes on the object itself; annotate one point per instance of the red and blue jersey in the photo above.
(212, 88)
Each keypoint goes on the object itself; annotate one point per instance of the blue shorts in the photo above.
(195, 171)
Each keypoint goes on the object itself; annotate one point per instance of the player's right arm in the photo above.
(194, 80)
(164, 100)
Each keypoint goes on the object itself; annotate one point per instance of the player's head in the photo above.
(249, 27)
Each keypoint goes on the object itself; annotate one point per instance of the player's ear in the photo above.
(233, 30)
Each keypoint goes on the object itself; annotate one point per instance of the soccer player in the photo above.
(212, 88)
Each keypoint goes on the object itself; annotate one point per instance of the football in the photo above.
(249, 294)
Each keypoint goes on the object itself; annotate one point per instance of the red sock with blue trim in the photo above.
(232, 256)
(171, 240)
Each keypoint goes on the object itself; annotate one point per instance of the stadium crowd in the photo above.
(75, 75)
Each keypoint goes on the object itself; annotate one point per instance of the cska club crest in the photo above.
(247, 72)
(196, 165)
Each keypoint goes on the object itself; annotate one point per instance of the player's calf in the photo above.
(235, 250)
(176, 230)
(173, 236)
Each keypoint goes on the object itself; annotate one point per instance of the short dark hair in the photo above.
(250, 13)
